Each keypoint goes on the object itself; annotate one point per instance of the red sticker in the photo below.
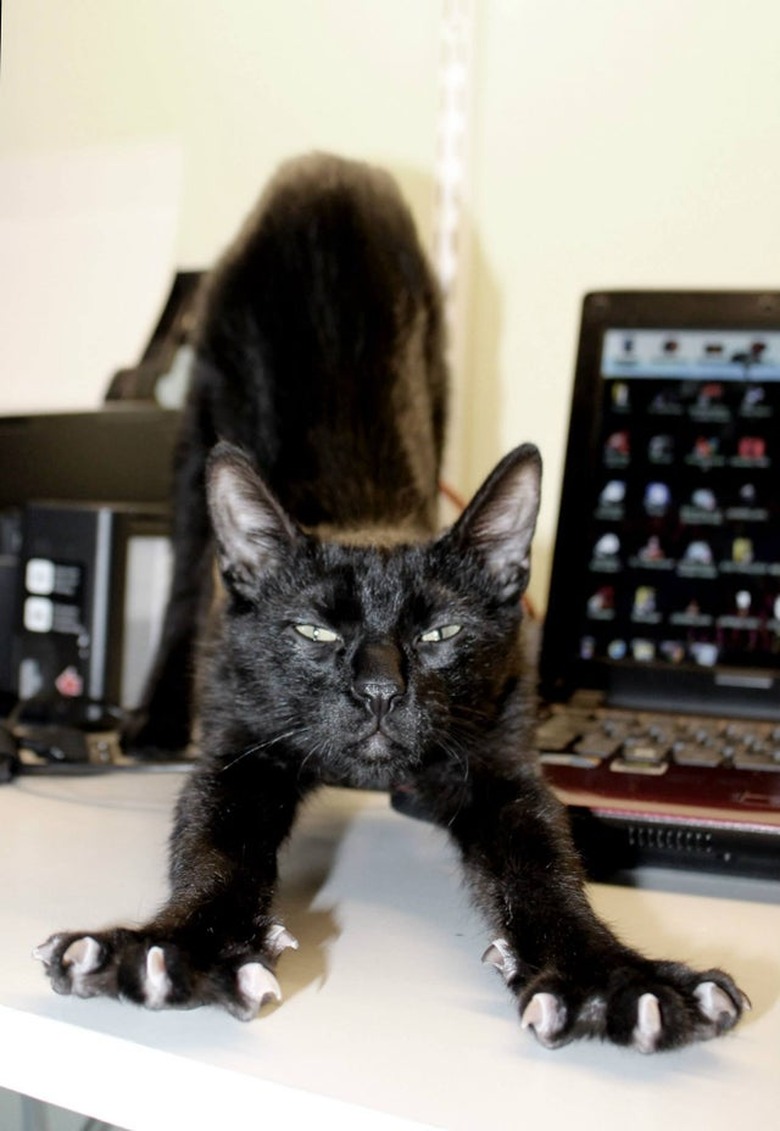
(69, 683)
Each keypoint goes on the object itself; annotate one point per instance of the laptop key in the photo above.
(748, 732)
(696, 754)
(596, 744)
(650, 769)
(564, 758)
(749, 760)
(638, 749)
(556, 735)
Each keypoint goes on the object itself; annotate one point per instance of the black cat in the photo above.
(352, 645)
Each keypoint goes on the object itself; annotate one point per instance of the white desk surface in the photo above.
(389, 1019)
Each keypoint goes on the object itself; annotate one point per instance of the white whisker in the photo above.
(260, 746)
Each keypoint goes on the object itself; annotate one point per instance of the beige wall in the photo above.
(238, 84)
(615, 143)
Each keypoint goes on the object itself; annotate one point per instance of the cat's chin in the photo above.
(375, 762)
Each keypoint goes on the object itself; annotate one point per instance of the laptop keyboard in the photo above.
(647, 743)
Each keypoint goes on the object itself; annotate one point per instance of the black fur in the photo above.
(318, 350)
(352, 645)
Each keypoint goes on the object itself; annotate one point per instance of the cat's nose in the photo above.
(378, 678)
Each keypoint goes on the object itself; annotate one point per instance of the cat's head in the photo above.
(363, 658)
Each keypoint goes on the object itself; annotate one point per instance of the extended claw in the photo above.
(83, 956)
(256, 985)
(501, 955)
(648, 1024)
(716, 1005)
(45, 952)
(157, 984)
(279, 939)
(546, 1015)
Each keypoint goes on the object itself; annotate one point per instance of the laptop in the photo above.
(660, 657)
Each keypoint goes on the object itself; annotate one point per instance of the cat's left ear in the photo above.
(253, 532)
(499, 522)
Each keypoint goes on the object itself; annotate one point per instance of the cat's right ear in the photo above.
(252, 531)
(498, 524)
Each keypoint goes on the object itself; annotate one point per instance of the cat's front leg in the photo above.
(216, 941)
(571, 975)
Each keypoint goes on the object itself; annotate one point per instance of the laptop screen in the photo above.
(666, 580)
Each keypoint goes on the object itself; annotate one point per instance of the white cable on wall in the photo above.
(452, 172)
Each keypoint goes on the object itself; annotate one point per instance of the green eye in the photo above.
(317, 633)
(436, 635)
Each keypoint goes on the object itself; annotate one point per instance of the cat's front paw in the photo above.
(649, 1006)
(158, 973)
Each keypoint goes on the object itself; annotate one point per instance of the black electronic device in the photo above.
(660, 664)
(119, 457)
(93, 581)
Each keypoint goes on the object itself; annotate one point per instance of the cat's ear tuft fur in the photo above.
(251, 528)
(499, 522)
